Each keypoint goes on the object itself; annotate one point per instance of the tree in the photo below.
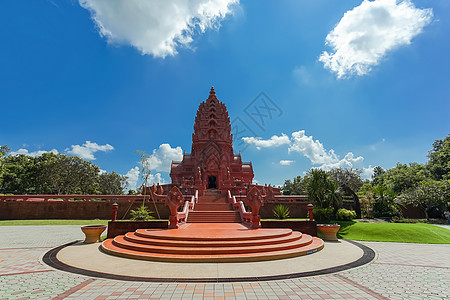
(439, 159)
(321, 190)
(349, 181)
(403, 177)
(4, 150)
(384, 205)
(377, 172)
(429, 194)
(111, 183)
(295, 187)
(348, 178)
(69, 174)
(145, 174)
(18, 175)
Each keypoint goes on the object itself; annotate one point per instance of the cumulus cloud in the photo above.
(161, 158)
(369, 31)
(286, 162)
(87, 150)
(312, 149)
(367, 172)
(133, 178)
(34, 153)
(318, 155)
(156, 27)
(274, 141)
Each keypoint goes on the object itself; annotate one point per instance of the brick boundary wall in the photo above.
(308, 227)
(23, 210)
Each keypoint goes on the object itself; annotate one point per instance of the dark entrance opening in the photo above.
(212, 182)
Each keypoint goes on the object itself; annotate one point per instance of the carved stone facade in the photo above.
(212, 163)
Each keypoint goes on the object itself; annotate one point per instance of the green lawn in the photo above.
(394, 232)
(350, 230)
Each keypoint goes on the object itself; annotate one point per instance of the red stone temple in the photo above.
(212, 163)
(207, 223)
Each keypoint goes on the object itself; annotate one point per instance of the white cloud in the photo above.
(318, 155)
(313, 150)
(156, 27)
(286, 162)
(133, 179)
(87, 150)
(367, 172)
(274, 141)
(34, 154)
(161, 158)
(369, 31)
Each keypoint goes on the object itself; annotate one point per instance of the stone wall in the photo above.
(297, 210)
(22, 210)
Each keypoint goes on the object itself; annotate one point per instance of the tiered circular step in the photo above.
(212, 245)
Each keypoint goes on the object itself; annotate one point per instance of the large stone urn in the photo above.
(92, 233)
(329, 231)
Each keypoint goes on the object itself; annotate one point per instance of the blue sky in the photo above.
(101, 79)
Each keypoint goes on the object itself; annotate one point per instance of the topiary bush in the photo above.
(281, 212)
(345, 214)
(323, 214)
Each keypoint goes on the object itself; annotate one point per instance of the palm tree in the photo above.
(321, 190)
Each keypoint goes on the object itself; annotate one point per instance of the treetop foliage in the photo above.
(51, 173)
(423, 185)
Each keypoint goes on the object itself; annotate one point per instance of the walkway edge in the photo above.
(50, 258)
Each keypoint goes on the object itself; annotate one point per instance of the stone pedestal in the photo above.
(92, 233)
(329, 231)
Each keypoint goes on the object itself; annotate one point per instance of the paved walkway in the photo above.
(400, 271)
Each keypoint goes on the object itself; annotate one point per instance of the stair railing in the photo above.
(189, 205)
(246, 217)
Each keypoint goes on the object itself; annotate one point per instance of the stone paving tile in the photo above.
(38, 236)
(411, 254)
(44, 285)
(13, 261)
(320, 287)
(406, 271)
(400, 271)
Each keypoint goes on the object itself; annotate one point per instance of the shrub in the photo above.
(345, 214)
(281, 212)
(141, 214)
(322, 214)
(386, 210)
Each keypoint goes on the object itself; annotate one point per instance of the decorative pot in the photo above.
(92, 233)
(329, 231)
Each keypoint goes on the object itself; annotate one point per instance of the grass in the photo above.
(350, 230)
(394, 232)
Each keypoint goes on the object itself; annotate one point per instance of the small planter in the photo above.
(329, 231)
(92, 233)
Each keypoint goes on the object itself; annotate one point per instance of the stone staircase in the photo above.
(213, 207)
(212, 242)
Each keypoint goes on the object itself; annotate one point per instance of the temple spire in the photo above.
(212, 92)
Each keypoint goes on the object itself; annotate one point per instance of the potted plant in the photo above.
(326, 197)
(141, 214)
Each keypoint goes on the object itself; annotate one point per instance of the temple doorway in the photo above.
(212, 182)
